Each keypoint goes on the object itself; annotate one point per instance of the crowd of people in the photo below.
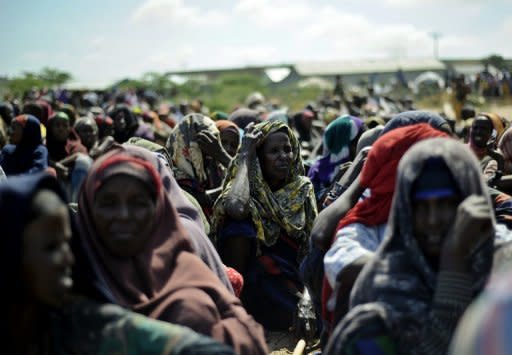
(137, 226)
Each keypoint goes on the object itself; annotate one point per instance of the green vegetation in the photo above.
(46, 78)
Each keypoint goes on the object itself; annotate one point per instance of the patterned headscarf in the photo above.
(186, 153)
(291, 208)
(399, 276)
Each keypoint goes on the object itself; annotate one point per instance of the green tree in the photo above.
(54, 77)
(26, 81)
(496, 61)
(158, 82)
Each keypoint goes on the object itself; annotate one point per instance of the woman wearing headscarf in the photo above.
(87, 130)
(436, 256)
(340, 139)
(263, 219)
(44, 315)
(25, 154)
(482, 139)
(127, 125)
(189, 211)
(409, 118)
(325, 225)
(229, 136)
(361, 230)
(150, 267)
(498, 123)
(199, 158)
(66, 153)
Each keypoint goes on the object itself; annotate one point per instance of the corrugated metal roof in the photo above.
(367, 66)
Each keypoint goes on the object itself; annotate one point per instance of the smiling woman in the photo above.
(43, 315)
(143, 254)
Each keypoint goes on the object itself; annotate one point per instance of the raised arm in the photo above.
(237, 200)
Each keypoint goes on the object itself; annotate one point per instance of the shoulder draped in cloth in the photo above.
(189, 162)
(399, 276)
(291, 208)
(379, 175)
(164, 280)
(29, 155)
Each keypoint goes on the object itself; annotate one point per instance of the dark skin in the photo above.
(211, 145)
(46, 270)
(445, 244)
(472, 227)
(275, 156)
(327, 220)
(15, 132)
(481, 131)
(230, 141)
(122, 208)
(88, 133)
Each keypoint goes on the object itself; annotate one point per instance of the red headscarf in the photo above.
(379, 175)
(227, 125)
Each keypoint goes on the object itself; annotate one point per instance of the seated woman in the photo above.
(26, 153)
(361, 231)
(189, 211)
(87, 129)
(66, 153)
(436, 257)
(198, 158)
(482, 136)
(263, 219)
(43, 314)
(340, 140)
(140, 249)
(229, 136)
(127, 125)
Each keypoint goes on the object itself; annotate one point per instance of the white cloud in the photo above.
(248, 55)
(272, 13)
(353, 36)
(175, 12)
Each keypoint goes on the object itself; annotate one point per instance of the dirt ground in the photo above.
(502, 109)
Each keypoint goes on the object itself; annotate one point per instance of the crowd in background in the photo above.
(357, 223)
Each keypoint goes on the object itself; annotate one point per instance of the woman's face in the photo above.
(47, 256)
(123, 211)
(433, 219)
(61, 129)
(88, 134)
(481, 132)
(276, 155)
(230, 140)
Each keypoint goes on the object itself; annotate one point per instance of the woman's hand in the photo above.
(211, 145)
(356, 167)
(473, 226)
(251, 140)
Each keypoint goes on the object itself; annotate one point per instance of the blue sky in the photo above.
(102, 41)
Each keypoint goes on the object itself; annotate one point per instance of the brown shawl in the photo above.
(165, 280)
